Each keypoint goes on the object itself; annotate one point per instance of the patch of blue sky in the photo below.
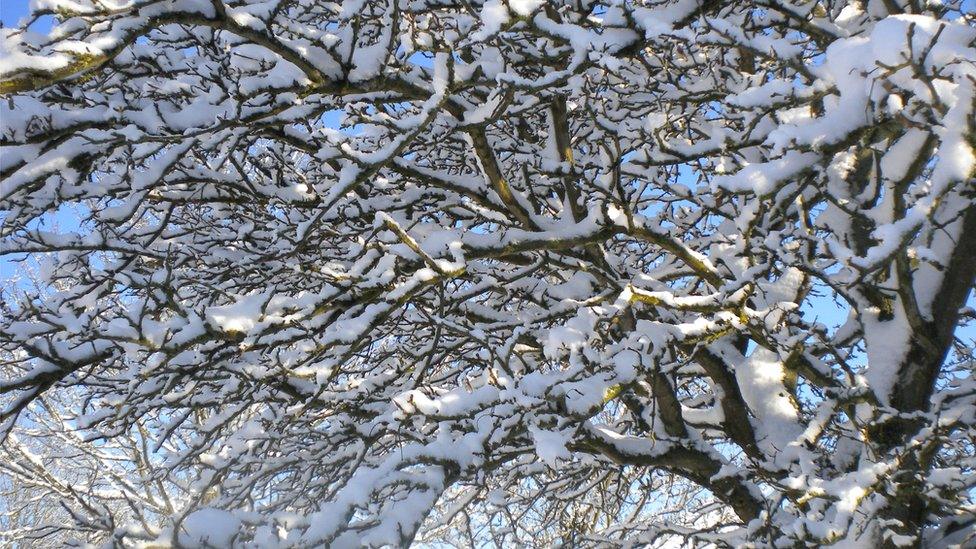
(15, 13)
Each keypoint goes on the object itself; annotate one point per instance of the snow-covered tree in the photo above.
(312, 273)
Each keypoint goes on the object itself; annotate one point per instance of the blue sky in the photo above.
(12, 10)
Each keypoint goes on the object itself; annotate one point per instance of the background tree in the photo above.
(513, 272)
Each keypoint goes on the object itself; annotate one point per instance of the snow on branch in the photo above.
(489, 273)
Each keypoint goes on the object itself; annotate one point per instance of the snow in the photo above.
(550, 446)
(494, 15)
(573, 335)
(209, 527)
(760, 379)
(241, 316)
(764, 178)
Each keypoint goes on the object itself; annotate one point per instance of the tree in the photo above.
(379, 272)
